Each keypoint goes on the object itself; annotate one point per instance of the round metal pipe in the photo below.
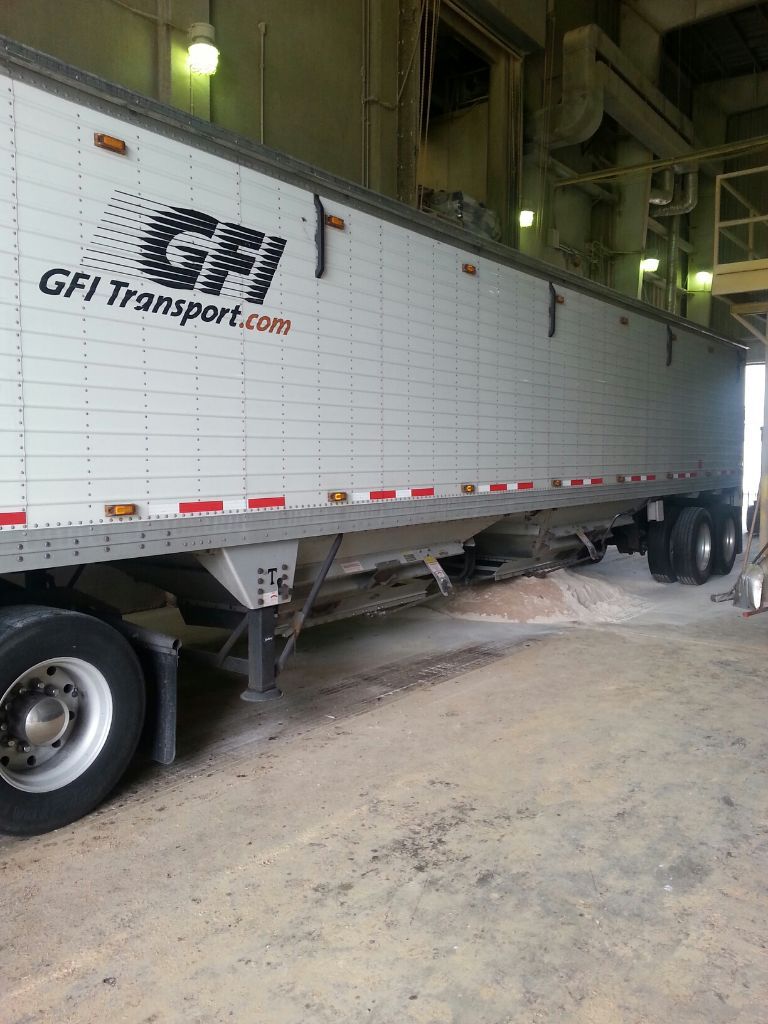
(670, 280)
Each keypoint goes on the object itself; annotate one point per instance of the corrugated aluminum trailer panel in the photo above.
(395, 376)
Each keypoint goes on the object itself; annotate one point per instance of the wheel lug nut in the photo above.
(74, 692)
(25, 747)
(52, 691)
(3, 727)
(39, 684)
(10, 742)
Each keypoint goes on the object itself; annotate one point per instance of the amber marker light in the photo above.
(335, 222)
(109, 142)
(125, 509)
(469, 268)
(557, 483)
(337, 496)
(468, 488)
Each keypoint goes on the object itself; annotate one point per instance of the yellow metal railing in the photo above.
(740, 262)
(741, 232)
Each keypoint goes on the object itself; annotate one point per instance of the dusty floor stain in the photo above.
(572, 831)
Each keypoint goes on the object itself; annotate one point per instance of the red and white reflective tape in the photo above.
(637, 478)
(390, 494)
(201, 506)
(728, 472)
(15, 518)
(520, 485)
(685, 476)
(582, 481)
(278, 501)
(209, 505)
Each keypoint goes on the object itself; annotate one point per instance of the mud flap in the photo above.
(159, 658)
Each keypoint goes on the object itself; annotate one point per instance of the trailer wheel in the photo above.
(71, 713)
(725, 538)
(659, 547)
(692, 547)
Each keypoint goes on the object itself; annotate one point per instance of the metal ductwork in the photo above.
(664, 192)
(598, 79)
(672, 264)
(580, 111)
(685, 198)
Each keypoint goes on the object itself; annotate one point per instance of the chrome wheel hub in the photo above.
(729, 538)
(703, 547)
(37, 719)
(54, 720)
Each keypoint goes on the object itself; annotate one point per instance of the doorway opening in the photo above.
(467, 123)
(454, 152)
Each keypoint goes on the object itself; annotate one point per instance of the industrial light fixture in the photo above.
(202, 55)
(526, 218)
(703, 279)
(649, 265)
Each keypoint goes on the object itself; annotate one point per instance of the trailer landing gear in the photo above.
(259, 667)
(262, 680)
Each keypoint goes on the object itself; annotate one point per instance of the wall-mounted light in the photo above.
(649, 265)
(202, 55)
(703, 279)
(526, 218)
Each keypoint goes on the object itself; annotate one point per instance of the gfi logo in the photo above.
(184, 249)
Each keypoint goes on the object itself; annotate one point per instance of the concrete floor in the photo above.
(444, 821)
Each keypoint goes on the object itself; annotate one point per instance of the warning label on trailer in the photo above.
(181, 249)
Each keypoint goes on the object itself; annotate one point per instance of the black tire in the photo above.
(108, 708)
(659, 547)
(692, 546)
(726, 526)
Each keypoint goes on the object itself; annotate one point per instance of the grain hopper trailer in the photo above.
(284, 400)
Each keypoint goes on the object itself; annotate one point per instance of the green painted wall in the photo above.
(118, 41)
(312, 78)
(327, 99)
(100, 37)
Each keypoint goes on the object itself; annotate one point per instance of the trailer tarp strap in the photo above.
(552, 310)
(671, 338)
(319, 237)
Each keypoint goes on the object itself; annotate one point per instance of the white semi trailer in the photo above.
(282, 398)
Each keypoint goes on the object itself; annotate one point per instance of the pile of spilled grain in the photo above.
(561, 597)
